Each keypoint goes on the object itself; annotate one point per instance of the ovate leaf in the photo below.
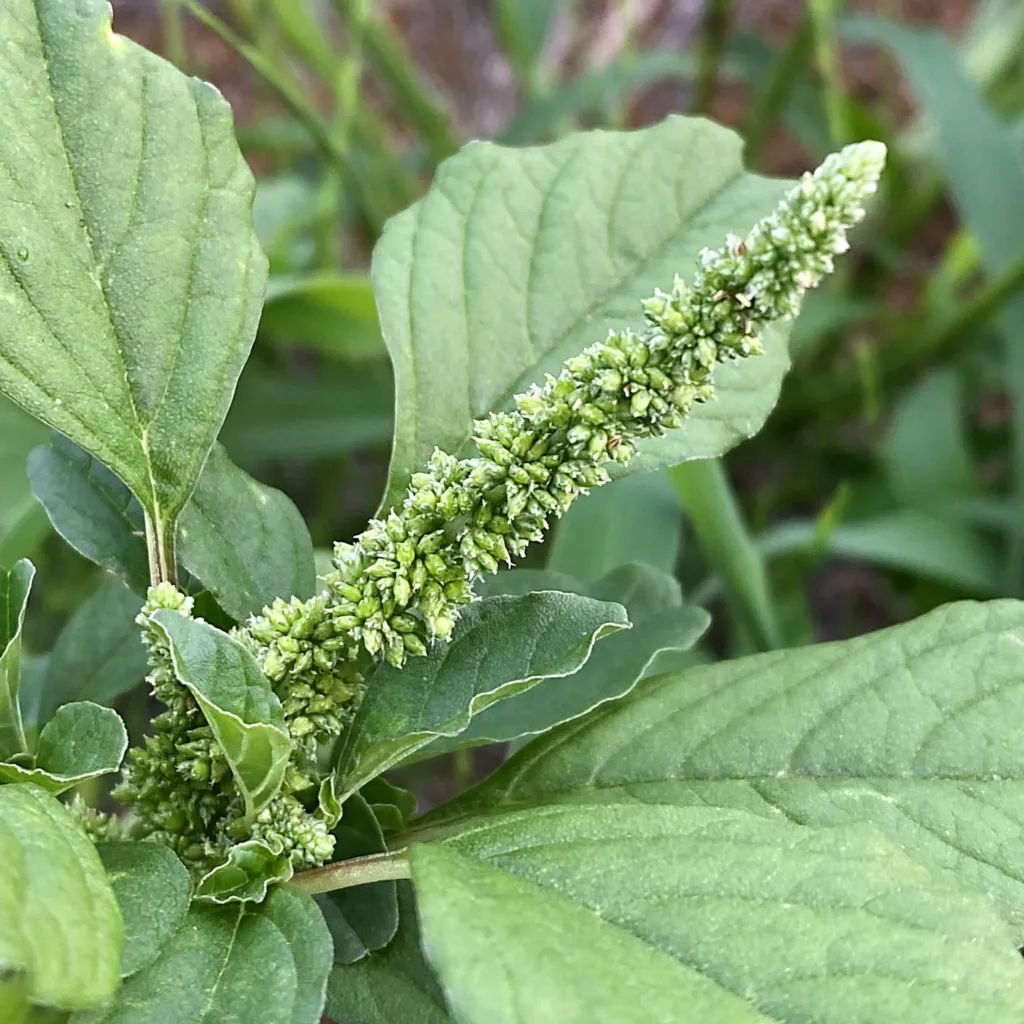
(660, 622)
(393, 986)
(261, 965)
(129, 273)
(245, 542)
(99, 654)
(723, 912)
(361, 918)
(500, 647)
(517, 259)
(81, 741)
(152, 888)
(60, 929)
(911, 729)
(237, 701)
(14, 589)
(247, 874)
(91, 509)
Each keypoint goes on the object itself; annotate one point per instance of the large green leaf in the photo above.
(59, 923)
(914, 729)
(361, 918)
(130, 274)
(19, 434)
(246, 543)
(257, 965)
(631, 520)
(674, 914)
(394, 986)
(14, 589)
(501, 646)
(81, 741)
(660, 622)
(517, 259)
(152, 888)
(99, 654)
(91, 509)
(237, 701)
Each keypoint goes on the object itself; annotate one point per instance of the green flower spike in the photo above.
(402, 584)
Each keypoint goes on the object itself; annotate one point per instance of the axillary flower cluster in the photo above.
(401, 585)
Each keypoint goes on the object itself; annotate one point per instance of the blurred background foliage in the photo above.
(890, 477)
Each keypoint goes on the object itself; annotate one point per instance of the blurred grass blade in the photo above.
(826, 51)
(986, 178)
(909, 541)
(414, 94)
(331, 312)
(714, 32)
(709, 501)
(523, 27)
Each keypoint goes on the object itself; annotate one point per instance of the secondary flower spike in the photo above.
(402, 584)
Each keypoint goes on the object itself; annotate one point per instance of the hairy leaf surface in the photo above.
(501, 647)
(60, 928)
(517, 259)
(913, 729)
(130, 277)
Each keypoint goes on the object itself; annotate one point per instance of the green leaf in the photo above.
(99, 653)
(246, 876)
(330, 413)
(631, 520)
(925, 450)
(331, 312)
(14, 590)
(986, 178)
(130, 271)
(500, 647)
(81, 741)
(517, 259)
(247, 543)
(91, 509)
(918, 542)
(152, 888)
(732, 915)
(19, 434)
(237, 702)
(660, 623)
(913, 729)
(362, 918)
(262, 965)
(59, 922)
(394, 986)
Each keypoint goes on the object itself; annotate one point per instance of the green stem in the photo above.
(709, 501)
(377, 867)
(826, 49)
(773, 97)
(163, 567)
(713, 36)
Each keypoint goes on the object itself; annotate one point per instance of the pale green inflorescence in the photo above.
(402, 584)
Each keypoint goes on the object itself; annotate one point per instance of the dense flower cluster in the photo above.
(402, 584)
